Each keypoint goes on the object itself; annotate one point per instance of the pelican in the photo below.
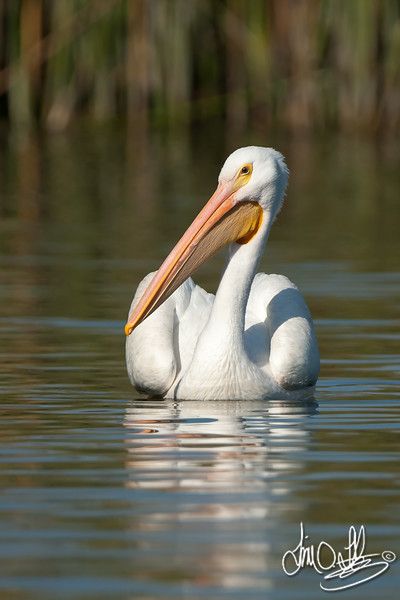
(255, 338)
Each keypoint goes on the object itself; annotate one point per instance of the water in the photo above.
(107, 495)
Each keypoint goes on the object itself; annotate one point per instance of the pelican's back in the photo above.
(293, 350)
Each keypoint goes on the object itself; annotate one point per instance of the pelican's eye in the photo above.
(244, 174)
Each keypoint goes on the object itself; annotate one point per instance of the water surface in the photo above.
(108, 495)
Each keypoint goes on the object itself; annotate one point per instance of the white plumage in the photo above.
(253, 339)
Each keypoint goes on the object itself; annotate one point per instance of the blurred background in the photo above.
(311, 65)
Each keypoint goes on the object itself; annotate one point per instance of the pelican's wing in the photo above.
(160, 347)
(280, 334)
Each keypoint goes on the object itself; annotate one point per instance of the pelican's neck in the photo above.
(229, 308)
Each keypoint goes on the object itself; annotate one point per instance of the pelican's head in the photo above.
(257, 175)
(251, 187)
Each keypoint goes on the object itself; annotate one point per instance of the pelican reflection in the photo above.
(236, 446)
(215, 482)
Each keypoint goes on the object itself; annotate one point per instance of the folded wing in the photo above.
(280, 334)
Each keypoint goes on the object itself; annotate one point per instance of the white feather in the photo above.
(254, 339)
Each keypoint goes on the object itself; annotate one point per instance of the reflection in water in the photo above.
(226, 469)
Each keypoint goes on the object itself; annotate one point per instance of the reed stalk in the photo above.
(298, 64)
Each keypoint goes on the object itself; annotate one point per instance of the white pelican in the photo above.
(255, 338)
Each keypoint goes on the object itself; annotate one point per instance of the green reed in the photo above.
(299, 64)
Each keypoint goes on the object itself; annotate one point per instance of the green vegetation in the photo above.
(300, 64)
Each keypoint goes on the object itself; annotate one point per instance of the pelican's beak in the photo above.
(221, 221)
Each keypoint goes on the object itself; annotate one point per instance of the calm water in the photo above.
(107, 495)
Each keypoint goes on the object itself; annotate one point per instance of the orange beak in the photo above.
(221, 221)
